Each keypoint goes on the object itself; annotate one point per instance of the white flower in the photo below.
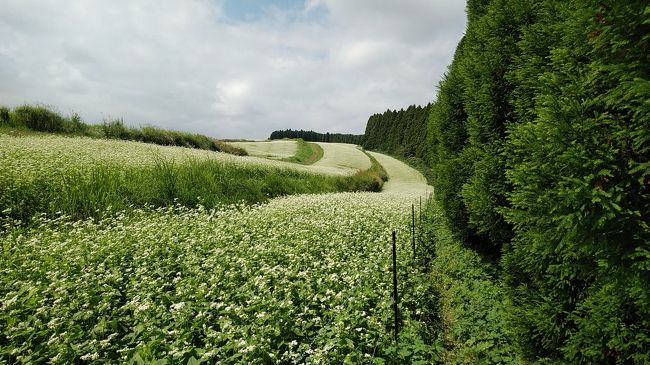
(90, 357)
(177, 306)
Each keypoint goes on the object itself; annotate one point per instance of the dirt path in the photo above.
(402, 179)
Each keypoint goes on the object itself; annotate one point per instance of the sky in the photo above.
(227, 68)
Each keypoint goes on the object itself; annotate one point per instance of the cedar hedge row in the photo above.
(539, 146)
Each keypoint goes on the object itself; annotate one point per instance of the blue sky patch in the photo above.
(251, 10)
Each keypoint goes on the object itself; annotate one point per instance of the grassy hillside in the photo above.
(307, 154)
(297, 150)
(83, 177)
(269, 149)
(300, 279)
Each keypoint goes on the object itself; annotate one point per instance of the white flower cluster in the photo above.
(32, 156)
(301, 279)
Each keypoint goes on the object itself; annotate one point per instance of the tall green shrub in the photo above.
(75, 124)
(447, 135)
(117, 130)
(38, 118)
(579, 266)
(490, 46)
(474, 102)
(539, 141)
(5, 115)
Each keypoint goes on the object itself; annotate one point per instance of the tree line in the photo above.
(539, 147)
(312, 136)
(400, 132)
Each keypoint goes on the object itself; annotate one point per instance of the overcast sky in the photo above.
(230, 68)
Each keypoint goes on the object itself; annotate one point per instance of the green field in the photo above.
(302, 278)
(269, 149)
(84, 177)
(297, 151)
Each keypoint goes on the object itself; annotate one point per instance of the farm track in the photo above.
(402, 178)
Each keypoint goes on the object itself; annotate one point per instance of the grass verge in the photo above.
(373, 178)
(474, 308)
(102, 188)
(306, 154)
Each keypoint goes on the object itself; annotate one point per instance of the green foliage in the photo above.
(228, 148)
(87, 193)
(149, 134)
(369, 180)
(74, 124)
(398, 132)
(473, 305)
(38, 118)
(540, 144)
(307, 153)
(43, 119)
(5, 116)
(580, 172)
(447, 135)
(117, 130)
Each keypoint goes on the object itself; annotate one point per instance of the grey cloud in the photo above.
(182, 65)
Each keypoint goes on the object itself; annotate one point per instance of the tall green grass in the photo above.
(473, 307)
(373, 178)
(150, 134)
(104, 188)
(307, 153)
(44, 119)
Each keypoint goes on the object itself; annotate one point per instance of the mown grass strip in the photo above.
(307, 153)
(473, 306)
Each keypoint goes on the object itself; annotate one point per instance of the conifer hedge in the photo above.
(539, 144)
(399, 132)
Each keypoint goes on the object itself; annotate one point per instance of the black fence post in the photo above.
(413, 227)
(395, 286)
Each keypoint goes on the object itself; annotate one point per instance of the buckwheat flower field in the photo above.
(305, 278)
(84, 177)
(51, 154)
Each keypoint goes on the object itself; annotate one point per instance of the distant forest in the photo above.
(312, 136)
(539, 148)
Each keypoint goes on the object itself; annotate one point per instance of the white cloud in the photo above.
(232, 97)
(183, 64)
